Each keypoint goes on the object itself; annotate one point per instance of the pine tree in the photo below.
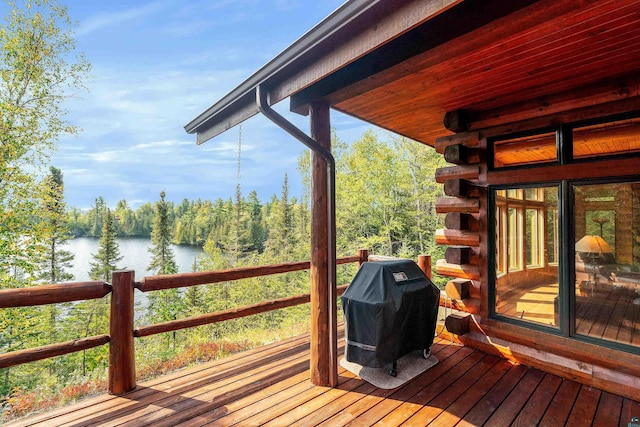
(108, 253)
(162, 259)
(166, 304)
(55, 259)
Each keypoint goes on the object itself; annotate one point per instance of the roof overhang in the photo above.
(355, 29)
(402, 64)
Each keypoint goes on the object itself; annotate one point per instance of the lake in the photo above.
(135, 255)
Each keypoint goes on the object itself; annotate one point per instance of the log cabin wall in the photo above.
(467, 232)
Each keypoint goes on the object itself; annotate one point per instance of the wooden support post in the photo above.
(122, 367)
(363, 254)
(324, 343)
(424, 262)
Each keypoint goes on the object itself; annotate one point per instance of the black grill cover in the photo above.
(390, 309)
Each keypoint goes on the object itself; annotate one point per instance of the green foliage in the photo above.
(386, 195)
(162, 257)
(56, 232)
(108, 252)
(38, 71)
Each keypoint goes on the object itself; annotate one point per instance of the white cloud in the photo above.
(107, 20)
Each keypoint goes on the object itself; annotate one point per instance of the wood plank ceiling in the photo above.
(550, 47)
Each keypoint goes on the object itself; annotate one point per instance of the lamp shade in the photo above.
(593, 244)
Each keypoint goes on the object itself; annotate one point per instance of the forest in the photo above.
(385, 202)
(386, 195)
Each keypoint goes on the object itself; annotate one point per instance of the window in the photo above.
(526, 285)
(607, 268)
(622, 136)
(567, 252)
(525, 150)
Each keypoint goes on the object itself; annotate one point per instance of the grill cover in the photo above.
(390, 309)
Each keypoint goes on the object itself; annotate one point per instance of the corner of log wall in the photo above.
(462, 209)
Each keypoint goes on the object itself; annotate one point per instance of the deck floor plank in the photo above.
(419, 413)
(467, 400)
(205, 371)
(254, 403)
(584, 409)
(335, 407)
(539, 401)
(558, 411)
(517, 399)
(609, 410)
(173, 409)
(270, 385)
(481, 412)
(630, 409)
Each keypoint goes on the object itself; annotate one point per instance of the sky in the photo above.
(156, 65)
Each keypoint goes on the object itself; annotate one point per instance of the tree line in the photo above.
(385, 202)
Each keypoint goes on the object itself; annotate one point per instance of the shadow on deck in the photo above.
(270, 385)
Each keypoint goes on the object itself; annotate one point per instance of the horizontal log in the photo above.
(458, 254)
(221, 316)
(471, 172)
(156, 283)
(605, 91)
(461, 221)
(459, 154)
(457, 204)
(38, 353)
(457, 237)
(590, 112)
(468, 139)
(465, 271)
(53, 294)
(348, 259)
(456, 121)
(458, 289)
(457, 187)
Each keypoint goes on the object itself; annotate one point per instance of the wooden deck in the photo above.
(269, 386)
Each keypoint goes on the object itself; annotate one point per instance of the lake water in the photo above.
(135, 256)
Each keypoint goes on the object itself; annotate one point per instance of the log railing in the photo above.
(121, 325)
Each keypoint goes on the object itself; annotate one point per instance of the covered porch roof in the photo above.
(402, 65)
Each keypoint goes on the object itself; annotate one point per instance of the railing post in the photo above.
(122, 367)
(363, 254)
(424, 262)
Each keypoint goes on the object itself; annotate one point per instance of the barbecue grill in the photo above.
(390, 309)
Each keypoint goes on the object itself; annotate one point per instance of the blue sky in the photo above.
(158, 64)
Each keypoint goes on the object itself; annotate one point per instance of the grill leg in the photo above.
(394, 369)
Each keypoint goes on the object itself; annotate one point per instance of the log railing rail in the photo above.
(121, 325)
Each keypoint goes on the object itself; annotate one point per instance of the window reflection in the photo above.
(526, 254)
(607, 222)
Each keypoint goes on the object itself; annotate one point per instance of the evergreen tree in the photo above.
(281, 242)
(108, 252)
(55, 259)
(162, 257)
(166, 304)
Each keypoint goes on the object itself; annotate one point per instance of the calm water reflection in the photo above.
(135, 253)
